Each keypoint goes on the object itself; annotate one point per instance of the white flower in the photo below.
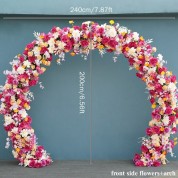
(132, 52)
(27, 63)
(20, 70)
(8, 119)
(151, 70)
(26, 162)
(172, 87)
(155, 140)
(47, 54)
(162, 81)
(122, 30)
(160, 57)
(61, 45)
(111, 32)
(160, 101)
(14, 130)
(23, 113)
(165, 139)
(135, 36)
(24, 133)
(51, 42)
(15, 154)
(36, 51)
(76, 34)
(165, 120)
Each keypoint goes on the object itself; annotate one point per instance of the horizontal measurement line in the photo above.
(102, 18)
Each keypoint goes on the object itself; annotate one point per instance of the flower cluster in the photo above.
(15, 95)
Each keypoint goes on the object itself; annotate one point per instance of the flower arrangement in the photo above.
(15, 95)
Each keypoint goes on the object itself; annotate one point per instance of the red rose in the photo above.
(173, 78)
(139, 163)
(156, 163)
(112, 43)
(105, 40)
(152, 100)
(53, 30)
(139, 75)
(144, 149)
(84, 43)
(153, 61)
(43, 50)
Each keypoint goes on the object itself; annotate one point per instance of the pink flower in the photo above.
(153, 61)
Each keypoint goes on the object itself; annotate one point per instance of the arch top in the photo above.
(27, 67)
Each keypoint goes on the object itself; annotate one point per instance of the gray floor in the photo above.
(82, 169)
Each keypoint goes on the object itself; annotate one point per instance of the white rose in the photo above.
(23, 113)
(47, 54)
(166, 120)
(15, 154)
(172, 87)
(122, 30)
(14, 130)
(132, 52)
(111, 32)
(8, 119)
(61, 45)
(162, 81)
(76, 34)
(26, 162)
(135, 36)
(152, 70)
(160, 101)
(24, 133)
(27, 63)
(20, 70)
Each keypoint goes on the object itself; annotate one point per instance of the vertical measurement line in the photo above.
(90, 58)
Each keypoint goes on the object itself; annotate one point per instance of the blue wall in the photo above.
(58, 7)
(121, 111)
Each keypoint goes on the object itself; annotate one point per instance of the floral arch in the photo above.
(15, 95)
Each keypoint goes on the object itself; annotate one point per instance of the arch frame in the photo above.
(15, 95)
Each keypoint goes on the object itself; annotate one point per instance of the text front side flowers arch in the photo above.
(15, 95)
